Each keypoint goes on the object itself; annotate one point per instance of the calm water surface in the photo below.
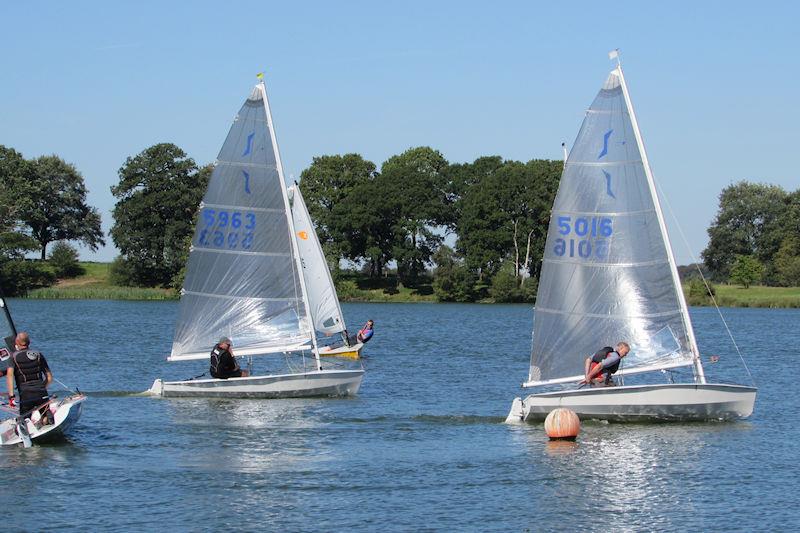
(422, 447)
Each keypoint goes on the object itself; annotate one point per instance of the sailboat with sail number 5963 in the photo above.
(608, 275)
(245, 278)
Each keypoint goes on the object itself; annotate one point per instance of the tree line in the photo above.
(388, 223)
(755, 236)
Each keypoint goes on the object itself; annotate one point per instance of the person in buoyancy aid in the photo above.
(29, 369)
(364, 334)
(604, 363)
(223, 363)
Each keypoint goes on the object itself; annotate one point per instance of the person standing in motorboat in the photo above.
(31, 373)
(223, 362)
(605, 362)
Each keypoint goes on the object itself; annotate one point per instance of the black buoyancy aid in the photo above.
(30, 370)
(215, 355)
(217, 367)
(601, 354)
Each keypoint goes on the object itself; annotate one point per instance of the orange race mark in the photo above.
(303, 235)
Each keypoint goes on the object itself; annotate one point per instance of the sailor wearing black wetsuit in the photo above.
(223, 364)
(32, 375)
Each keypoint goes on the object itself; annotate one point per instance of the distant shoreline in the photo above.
(94, 284)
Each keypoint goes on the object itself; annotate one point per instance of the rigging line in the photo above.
(705, 283)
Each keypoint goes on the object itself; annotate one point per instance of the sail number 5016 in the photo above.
(591, 233)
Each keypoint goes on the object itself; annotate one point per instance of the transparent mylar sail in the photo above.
(7, 330)
(241, 278)
(322, 299)
(606, 275)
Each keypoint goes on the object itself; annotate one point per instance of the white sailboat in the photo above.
(27, 428)
(323, 301)
(608, 275)
(245, 278)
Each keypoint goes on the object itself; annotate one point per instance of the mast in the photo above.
(698, 365)
(295, 252)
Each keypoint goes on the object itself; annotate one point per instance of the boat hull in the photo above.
(348, 352)
(66, 413)
(298, 385)
(642, 403)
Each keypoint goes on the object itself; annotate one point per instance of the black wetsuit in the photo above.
(223, 365)
(30, 375)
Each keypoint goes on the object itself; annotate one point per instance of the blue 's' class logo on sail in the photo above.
(246, 181)
(608, 185)
(249, 144)
(604, 151)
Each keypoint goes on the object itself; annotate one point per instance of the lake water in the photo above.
(422, 447)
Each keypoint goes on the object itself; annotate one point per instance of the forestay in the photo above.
(241, 278)
(606, 273)
(322, 298)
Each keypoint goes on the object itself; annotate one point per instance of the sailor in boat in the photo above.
(605, 362)
(364, 334)
(29, 369)
(223, 362)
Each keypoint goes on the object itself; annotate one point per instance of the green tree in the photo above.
(746, 270)
(64, 260)
(505, 285)
(52, 205)
(327, 185)
(17, 275)
(505, 215)
(787, 261)
(452, 280)
(414, 189)
(158, 194)
(748, 223)
(699, 293)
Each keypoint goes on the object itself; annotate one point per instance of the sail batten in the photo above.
(606, 315)
(607, 265)
(607, 270)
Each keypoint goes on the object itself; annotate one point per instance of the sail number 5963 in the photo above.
(589, 238)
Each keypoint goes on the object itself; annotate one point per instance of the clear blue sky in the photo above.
(715, 84)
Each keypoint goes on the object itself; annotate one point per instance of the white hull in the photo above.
(66, 413)
(299, 385)
(667, 402)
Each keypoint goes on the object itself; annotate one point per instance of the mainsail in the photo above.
(322, 298)
(607, 274)
(242, 279)
(7, 330)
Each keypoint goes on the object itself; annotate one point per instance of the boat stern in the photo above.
(517, 413)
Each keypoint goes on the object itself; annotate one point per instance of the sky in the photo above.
(714, 85)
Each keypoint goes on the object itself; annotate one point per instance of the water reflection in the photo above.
(636, 475)
(248, 435)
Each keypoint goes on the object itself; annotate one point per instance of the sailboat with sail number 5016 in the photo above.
(608, 275)
(245, 278)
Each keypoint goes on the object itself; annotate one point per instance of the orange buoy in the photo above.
(562, 424)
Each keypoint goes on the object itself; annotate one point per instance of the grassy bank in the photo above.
(757, 296)
(357, 288)
(94, 285)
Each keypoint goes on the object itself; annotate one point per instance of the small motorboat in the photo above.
(65, 412)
